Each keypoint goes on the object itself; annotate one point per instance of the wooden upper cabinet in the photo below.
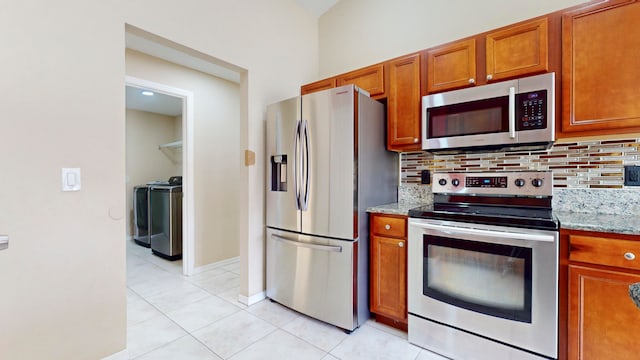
(403, 104)
(600, 69)
(318, 86)
(370, 79)
(517, 50)
(451, 66)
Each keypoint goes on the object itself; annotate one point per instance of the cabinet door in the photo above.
(370, 79)
(318, 86)
(389, 277)
(603, 320)
(451, 66)
(600, 72)
(403, 104)
(517, 50)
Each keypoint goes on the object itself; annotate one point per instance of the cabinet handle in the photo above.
(401, 244)
(415, 140)
(387, 227)
(472, 81)
(630, 256)
(489, 77)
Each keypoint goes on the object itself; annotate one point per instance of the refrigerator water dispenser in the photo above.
(279, 173)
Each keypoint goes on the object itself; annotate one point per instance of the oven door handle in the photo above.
(457, 230)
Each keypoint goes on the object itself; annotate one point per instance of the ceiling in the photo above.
(172, 106)
(158, 103)
(317, 7)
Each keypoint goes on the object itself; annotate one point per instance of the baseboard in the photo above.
(122, 355)
(252, 299)
(214, 265)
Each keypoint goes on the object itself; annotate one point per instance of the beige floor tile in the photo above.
(202, 313)
(185, 348)
(369, 343)
(273, 312)
(282, 346)
(233, 333)
(151, 334)
(322, 335)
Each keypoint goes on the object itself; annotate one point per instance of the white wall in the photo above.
(216, 152)
(357, 33)
(63, 68)
(145, 162)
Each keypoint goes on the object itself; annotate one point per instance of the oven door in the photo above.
(495, 282)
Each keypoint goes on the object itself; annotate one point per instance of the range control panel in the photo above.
(523, 183)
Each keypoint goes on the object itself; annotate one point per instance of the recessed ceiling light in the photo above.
(147, 93)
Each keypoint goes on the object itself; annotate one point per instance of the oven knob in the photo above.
(520, 182)
(455, 182)
(442, 182)
(537, 182)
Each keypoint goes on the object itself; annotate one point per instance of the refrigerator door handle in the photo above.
(293, 242)
(305, 157)
(296, 162)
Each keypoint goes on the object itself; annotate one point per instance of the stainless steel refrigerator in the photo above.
(327, 163)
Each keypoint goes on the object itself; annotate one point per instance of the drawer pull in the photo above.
(630, 256)
(401, 244)
(387, 227)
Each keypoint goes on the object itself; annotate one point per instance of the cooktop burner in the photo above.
(519, 199)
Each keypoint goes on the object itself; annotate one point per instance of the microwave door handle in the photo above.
(512, 112)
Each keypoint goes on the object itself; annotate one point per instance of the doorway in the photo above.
(211, 147)
(159, 134)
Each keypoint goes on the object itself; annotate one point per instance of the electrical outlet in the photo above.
(425, 177)
(631, 175)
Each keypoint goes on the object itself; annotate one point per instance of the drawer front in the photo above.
(605, 251)
(389, 226)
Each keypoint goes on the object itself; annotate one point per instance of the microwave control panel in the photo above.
(531, 110)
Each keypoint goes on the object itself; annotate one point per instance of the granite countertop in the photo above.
(577, 209)
(398, 208)
(619, 224)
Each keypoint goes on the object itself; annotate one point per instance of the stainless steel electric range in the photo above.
(483, 267)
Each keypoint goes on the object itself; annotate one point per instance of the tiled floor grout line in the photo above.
(265, 312)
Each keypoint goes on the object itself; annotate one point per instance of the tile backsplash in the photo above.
(592, 164)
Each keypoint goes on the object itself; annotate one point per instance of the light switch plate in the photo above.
(71, 180)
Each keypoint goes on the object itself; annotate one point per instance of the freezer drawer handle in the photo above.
(4, 242)
(306, 245)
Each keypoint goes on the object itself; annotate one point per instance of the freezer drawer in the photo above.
(314, 276)
(165, 224)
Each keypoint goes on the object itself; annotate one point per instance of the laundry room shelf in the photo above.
(171, 145)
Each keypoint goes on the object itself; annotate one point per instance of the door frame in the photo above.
(188, 207)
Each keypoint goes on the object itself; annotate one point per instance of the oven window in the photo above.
(478, 117)
(492, 279)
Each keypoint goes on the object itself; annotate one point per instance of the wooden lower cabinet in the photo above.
(602, 320)
(388, 270)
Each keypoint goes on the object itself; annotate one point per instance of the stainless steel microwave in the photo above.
(510, 115)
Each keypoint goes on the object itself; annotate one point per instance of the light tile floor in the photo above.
(170, 316)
